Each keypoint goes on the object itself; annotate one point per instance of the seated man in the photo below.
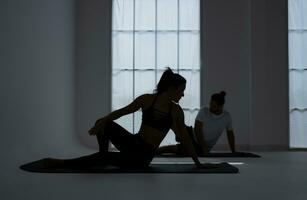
(209, 125)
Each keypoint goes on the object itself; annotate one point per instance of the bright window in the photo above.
(147, 37)
(298, 72)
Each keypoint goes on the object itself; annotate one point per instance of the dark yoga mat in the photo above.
(38, 166)
(238, 154)
(217, 154)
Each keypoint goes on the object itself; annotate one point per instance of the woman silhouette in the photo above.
(160, 113)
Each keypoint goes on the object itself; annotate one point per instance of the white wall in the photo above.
(37, 79)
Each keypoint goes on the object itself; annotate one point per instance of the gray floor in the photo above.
(277, 175)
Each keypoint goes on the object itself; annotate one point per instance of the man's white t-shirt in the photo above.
(213, 125)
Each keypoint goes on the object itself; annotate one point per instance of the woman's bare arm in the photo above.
(132, 107)
(180, 130)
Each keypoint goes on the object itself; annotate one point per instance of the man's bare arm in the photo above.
(231, 140)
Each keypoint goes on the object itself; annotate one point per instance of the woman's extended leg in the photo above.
(96, 159)
(133, 151)
(122, 139)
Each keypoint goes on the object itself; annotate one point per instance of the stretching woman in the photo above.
(161, 113)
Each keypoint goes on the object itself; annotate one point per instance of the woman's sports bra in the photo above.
(157, 119)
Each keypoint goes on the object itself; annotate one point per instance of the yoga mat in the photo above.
(217, 154)
(38, 166)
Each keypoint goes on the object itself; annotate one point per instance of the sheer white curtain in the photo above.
(298, 72)
(147, 37)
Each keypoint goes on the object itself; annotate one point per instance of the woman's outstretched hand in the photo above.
(99, 126)
(93, 130)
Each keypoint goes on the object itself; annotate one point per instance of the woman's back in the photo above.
(157, 119)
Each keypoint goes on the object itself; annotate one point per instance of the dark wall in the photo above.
(226, 60)
(269, 74)
(245, 53)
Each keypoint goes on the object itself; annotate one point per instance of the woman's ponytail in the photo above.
(168, 79)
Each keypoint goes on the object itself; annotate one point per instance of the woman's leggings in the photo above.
(133, 150)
